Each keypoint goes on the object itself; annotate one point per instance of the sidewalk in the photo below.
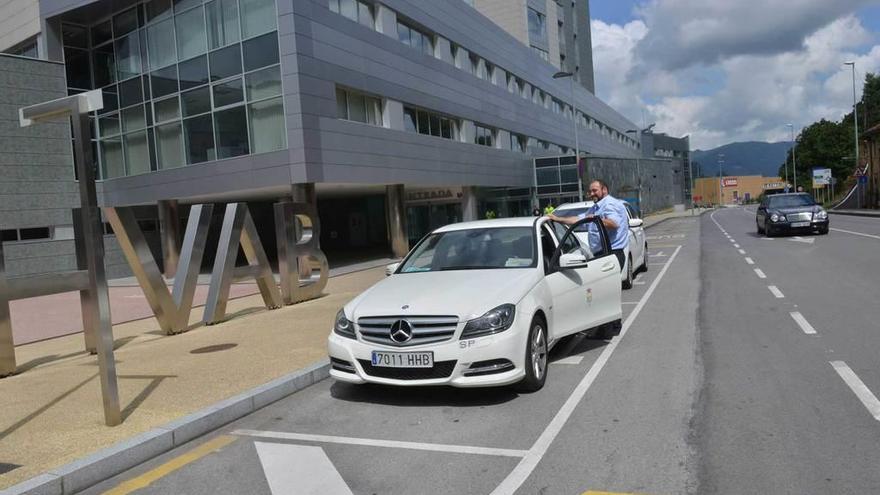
(51, 412)
(857, 213)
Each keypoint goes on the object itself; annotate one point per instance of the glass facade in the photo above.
(184, 82)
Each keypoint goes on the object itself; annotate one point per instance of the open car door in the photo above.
(586, 291)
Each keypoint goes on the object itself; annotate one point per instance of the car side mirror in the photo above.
(572, 260)
(636, 222)
(390, 269)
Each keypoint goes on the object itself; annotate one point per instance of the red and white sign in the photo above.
(729, 182)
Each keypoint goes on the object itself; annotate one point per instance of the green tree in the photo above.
(827, 144)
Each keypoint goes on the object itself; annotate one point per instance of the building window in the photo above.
(26, 234)
(355, 10)
(428, 123)
(358, 107)
(184, 81)
(27, 48)
(415, 38)
(557, 106)
(537, 26)
(484, 136)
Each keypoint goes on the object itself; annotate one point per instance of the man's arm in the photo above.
(566, 220)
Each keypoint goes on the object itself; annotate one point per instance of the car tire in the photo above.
(628, 282)
(768, 232)
(536, 358)
(758, 226)
(823, 231)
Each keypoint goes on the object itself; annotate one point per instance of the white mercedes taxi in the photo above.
(477, 304)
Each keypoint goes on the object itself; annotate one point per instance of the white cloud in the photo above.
(734, 92)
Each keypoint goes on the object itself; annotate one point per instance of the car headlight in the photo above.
(343, 326)
(777, 217)
(821, 214)
(496, 320)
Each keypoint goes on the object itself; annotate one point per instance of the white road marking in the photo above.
(732, 240)
(742, 251)
(750, 261)
(631, 302)
(528, 463)
(869, 400)
(736, 246)
(434, 447)
(803, 323)
(856, 233)
(797, 238)
(569, 360)
(759, 273)
(776, 292)
(639, 282)
(300, 469)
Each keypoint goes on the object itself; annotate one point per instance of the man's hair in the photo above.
(601, 183)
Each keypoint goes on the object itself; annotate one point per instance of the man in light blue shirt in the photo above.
(613, 215)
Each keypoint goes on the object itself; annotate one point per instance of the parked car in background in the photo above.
(790, 213)
(636, 259)
(477, 304)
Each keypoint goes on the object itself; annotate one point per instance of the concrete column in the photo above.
(469, 210)
(386, 21)
(169, 229)
(502, 139)
(443, 50)
(304, 193)
(468, 131)
(463, 59)
(392, 115)
(499, 77)
(395, 215)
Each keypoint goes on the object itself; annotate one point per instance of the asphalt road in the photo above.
(714, 387)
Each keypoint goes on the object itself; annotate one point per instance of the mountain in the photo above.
(747, 158)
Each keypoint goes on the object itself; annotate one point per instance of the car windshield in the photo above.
(791, 201)
(474, 249)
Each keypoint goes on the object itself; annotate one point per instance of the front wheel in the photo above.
(645, 258)
(536, 358)
(758, 226)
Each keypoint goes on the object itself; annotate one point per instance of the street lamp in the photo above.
(793, 159)
(720, 180)
(855, 120)
(577, 150)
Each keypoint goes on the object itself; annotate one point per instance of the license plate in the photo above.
(800, 224)
(403, 359)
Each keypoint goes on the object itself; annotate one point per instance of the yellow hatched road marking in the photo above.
(169, 467)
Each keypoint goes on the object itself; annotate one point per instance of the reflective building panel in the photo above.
(184, 82)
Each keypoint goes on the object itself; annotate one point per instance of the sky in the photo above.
(724, 71)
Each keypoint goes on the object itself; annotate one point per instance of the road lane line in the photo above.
(856, 233)
(760, 273)
(736, 246)
(750, 261)
(371, 442)
(869, 400)
(733, 240)
(169, 467)
(776, 292)
(742, 251)
(630, 302)
(803, 323)
(304, 469)
(528, 463)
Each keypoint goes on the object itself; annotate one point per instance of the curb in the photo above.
(855, 213)
(99, 466)
(670, 218)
